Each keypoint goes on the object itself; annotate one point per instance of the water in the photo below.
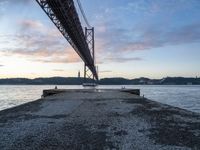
(184, 96)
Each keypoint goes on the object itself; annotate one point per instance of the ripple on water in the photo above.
(186, 97)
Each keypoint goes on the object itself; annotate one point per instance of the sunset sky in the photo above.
(134, 38)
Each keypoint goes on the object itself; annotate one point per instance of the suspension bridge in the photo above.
(64, 15)
(92, 118)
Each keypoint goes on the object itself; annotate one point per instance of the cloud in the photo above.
(2, 7)
(17, 2)
(39, 42)
(123, 59)
(186, 34)
(148, 37)
(2, 3)
(36, 42)
(5, 5)
(31, 25)
(32, 34)
(152, 38)
(35, 53)
(145, 25)
(105, 71)
(45, 55)
(150, 8)
(58, 70)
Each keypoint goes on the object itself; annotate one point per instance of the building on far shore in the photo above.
(79, 74)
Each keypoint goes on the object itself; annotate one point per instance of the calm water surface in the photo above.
(187, 97)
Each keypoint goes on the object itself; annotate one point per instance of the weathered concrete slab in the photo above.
(50, 92)
(98, 120)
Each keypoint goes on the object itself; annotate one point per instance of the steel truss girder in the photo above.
(63, 14)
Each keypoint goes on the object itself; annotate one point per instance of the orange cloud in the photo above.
(34, 24)
(47, 56)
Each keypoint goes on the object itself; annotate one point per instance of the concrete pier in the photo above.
(98, 119)
(57, 91)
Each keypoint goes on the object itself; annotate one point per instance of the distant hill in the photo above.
(114, 81)
(180, 80)
(60, 80)
(104, 81)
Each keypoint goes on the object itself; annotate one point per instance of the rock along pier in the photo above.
(98, 119)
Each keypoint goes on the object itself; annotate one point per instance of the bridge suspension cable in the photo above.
(83, 14)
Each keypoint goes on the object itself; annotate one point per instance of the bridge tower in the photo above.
(89, 36)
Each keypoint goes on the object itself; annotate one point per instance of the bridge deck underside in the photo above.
(64, 16)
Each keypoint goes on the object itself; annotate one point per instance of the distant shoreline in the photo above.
(104, 81)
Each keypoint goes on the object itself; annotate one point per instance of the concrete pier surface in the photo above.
(98, 119)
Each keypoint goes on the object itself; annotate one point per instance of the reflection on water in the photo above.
(187, 97)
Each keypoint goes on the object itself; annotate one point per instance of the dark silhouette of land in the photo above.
(104, 81)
